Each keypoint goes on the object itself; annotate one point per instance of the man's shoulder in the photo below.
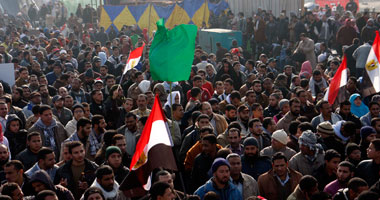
(66, 110)
(296, 156)
(364, 163)
(60, 126)
(34, 127)
(267, 149)
(91, 164)
(248, 178)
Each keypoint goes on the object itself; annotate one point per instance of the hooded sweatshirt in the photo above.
(42, 177)
(17, 141)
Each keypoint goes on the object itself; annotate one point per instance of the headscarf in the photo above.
(306, 70)
(309, 139)
(172, 95)
(103, 57)
(358, 110)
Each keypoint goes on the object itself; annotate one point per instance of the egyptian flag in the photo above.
(153, 150)
(338, 81)
(134, 58)
(371, 79)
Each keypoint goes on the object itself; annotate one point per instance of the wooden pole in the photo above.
(150, 11)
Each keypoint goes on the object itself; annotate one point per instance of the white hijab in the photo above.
(172, 95)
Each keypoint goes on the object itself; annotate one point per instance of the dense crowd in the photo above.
(249, 123)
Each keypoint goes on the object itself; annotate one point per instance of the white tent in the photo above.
(276, 6)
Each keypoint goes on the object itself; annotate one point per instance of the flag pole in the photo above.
(172, 130)
(122, 76)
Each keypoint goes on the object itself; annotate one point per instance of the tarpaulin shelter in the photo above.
(146, 15)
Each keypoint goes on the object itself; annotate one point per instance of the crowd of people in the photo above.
(249, 123)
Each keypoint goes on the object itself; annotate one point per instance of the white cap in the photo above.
(281, 136)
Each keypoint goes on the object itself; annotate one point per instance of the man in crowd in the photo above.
(244, 182)
(51, 131)
(311, 155)
(278, 144)
(220, 182)
(344, 173)
(78, 173)
(280, 181)
(46, 161)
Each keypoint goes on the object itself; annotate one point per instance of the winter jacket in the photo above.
(269, 152)
(220, 123)
(27, 157)
(301, 164)
(65, 172)
(60, 135)
(271, 188)
(256, 166)
(51, 172)
(228, 193)
(250, 187)
(64, 117)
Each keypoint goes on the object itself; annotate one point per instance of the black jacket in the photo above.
(97, 109)
(323, 178)
(369, 171)
(65, 172)
(28, 158)
(17, 141)
(199, 174)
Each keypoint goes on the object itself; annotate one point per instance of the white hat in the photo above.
(63, 51)
(144, 86)
(281, 136)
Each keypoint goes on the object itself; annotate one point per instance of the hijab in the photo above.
(358, 110)
(171, 101)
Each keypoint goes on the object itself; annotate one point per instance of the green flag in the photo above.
(172, 52)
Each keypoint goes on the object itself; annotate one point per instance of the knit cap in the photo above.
(219, 162)
(112, 149)
(365, 131)
(250, 141)
(326, 127)
(281, 136)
